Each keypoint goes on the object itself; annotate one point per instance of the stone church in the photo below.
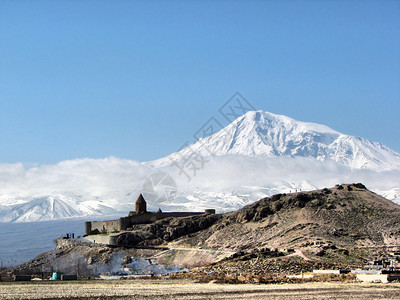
(139, 216)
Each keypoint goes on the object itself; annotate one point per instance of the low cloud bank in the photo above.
(225, 183)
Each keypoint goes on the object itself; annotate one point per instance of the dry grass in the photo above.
(183, 289)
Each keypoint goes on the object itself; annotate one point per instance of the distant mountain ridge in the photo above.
(49, 208)
(257, 155)
(259, 133)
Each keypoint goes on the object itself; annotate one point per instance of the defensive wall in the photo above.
(140, 216)
(143, 218)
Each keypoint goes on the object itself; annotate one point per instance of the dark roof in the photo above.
(140, 199)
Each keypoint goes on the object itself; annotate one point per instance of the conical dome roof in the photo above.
(140, 199)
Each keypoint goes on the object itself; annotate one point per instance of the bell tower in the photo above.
(141, 206)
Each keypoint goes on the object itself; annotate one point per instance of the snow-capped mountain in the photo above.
(259, 133)
(257, 155)
(50, 208)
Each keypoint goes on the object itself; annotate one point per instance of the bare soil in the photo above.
(183, 289)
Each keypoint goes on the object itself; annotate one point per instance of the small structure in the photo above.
(22, 278)
(69, 277)
(57, 275)
(337, 272)
(373, 278)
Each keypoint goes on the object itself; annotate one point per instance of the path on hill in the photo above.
(193, 249)
(298, 252)
(206, 250)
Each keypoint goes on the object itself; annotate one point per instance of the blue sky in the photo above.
(136, 79)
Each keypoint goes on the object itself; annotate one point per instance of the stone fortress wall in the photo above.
(140, 216)
(103, 226)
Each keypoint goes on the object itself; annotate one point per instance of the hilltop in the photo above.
(343, 218)
(345, 225)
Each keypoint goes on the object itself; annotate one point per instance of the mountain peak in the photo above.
(274, 120)
(259, 133)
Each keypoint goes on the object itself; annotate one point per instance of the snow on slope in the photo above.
(262, 133)
(52, 208)
(74, 188)
(257, 155)
(393, 194)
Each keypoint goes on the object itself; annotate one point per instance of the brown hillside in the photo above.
(346, 224)
(345, 216)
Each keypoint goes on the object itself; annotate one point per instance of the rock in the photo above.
(91, 260)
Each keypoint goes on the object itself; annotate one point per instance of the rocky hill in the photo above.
(346, 224)
(346, 215)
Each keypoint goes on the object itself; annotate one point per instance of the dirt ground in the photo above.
(180, 289)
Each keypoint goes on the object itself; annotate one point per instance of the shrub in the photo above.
(93, 232)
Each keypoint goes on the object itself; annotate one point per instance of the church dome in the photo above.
(140, 199)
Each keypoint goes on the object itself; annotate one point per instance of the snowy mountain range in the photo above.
(257, 155)
(259, 133)
(52, 207)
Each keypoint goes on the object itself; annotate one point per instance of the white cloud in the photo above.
(82, 177)
(225, 183)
